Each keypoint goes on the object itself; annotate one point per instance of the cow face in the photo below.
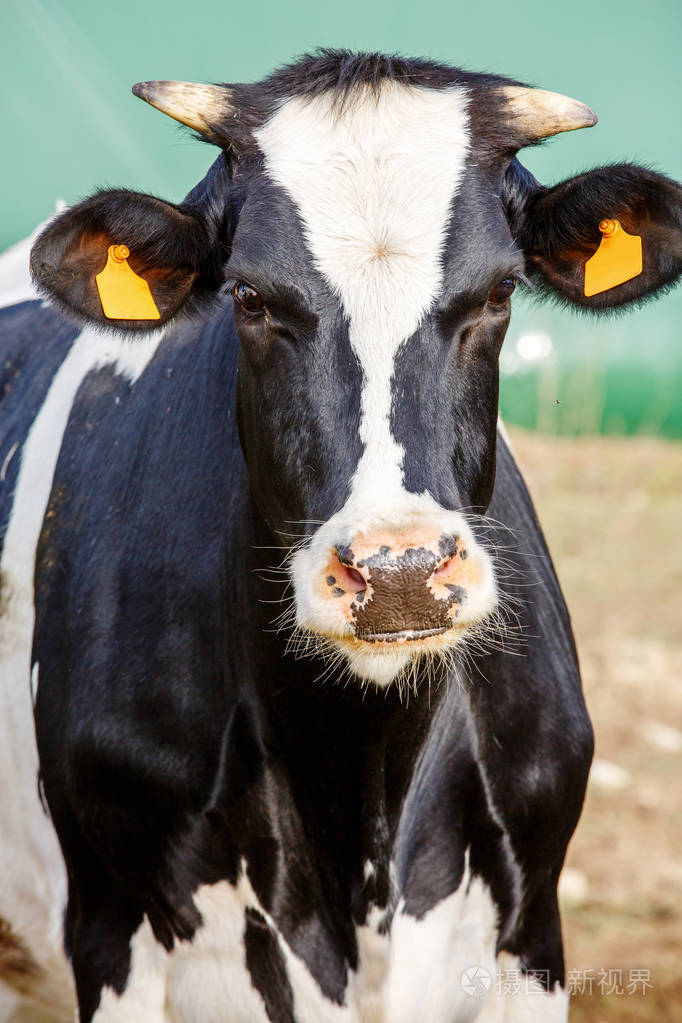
(368, 390)
(382, 223)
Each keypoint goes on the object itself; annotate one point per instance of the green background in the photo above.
(69, 124)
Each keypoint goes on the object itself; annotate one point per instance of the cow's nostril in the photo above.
(342, 578)
(353, 581)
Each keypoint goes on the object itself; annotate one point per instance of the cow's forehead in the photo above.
(373, 182)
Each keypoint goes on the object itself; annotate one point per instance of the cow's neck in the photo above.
(345, 753)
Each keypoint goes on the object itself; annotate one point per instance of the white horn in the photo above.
(537, 114)
(198, 106)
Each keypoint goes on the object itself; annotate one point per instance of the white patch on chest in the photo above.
(229, 992)
(367, 987)
(33, 892)
(412, 972)
(210, 974)
(428, 956)
(144, 997)
(207, 980)
(518, 998)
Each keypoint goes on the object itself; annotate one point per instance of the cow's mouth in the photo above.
(401, 636)
(380, 657)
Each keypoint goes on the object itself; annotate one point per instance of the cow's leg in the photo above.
(528, 986)
(125, 975)
(119, 966)
(144, 995)
(519, 997)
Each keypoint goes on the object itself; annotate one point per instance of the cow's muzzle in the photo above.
(399, 589)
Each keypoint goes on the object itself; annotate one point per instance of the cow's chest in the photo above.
(239, 969)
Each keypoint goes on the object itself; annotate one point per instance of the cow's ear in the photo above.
(559, 231)
(171, 248)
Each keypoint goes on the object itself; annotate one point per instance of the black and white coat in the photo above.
(339, 816)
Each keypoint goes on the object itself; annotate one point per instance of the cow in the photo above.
(292, 725)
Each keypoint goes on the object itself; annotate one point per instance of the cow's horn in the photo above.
(537, 114)
(197, 106)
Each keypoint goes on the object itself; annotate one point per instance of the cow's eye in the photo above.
(248, 298)
(503, 291)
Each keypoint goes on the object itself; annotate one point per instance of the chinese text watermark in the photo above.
(477, 981)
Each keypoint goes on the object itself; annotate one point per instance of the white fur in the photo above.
(367, 987)
(429, 955)
(144, 997)
(530, 1004)
(374, 186)
(33, 886)
(35, 678)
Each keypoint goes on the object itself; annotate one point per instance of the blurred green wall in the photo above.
(69, 124)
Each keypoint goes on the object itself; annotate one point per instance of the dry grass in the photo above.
(612, 512)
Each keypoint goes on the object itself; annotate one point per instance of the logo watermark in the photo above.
(477, 981)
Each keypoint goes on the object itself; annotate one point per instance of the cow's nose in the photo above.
(398, 588)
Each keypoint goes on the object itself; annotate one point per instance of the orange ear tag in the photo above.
(618, 259)
(123, 294)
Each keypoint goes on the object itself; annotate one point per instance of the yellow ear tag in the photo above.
(618, 259)
(123, 294)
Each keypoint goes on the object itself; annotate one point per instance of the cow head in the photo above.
(372, 220)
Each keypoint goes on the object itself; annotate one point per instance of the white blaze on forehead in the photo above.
(374, 183)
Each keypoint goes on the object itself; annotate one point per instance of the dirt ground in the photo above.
(612, 512)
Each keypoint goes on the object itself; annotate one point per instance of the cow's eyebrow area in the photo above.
(284, 300)
(476, 292)
(235, 271)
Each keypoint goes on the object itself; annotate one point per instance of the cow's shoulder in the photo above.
(535, 737)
